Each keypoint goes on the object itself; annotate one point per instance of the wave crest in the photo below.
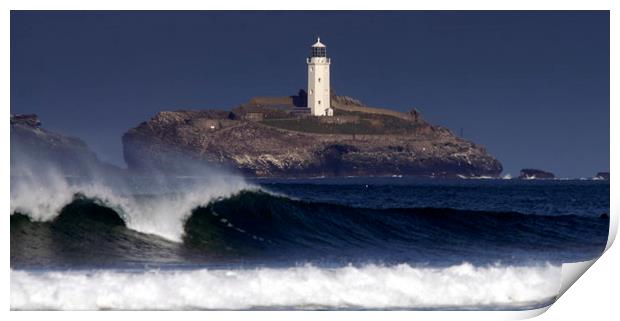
(258, 220)
(42, 195)
(254, 223)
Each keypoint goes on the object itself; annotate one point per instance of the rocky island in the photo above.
(602, 176)
(314, 133)
(36, 148)
(275, 137)
(531, 173)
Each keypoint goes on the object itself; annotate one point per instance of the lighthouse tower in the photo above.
(318, 81)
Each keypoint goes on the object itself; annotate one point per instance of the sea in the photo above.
(224, 242)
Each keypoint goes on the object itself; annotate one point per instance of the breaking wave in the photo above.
(43, 195)
(254, 224)
(255, 215)
(57, 222)
(401, 286)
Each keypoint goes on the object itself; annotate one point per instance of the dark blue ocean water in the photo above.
(543, 197)
(327, 222)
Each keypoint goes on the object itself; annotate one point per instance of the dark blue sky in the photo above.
(533, 87)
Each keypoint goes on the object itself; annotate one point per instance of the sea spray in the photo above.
(154, 205)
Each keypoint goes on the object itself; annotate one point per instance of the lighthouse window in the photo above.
(318, 52)
(319, 79)
(319, 102)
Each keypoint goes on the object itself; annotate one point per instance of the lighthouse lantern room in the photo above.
(318, 81)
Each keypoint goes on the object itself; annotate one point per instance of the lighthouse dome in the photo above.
(318, 44)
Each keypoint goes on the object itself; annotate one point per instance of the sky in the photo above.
(532, 87)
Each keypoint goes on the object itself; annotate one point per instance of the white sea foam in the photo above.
(304, 287)
(42, 194)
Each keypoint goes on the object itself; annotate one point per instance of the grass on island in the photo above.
(367, 124)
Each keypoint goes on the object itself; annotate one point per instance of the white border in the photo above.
(593, 296)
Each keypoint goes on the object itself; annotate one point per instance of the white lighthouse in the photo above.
(318, 81)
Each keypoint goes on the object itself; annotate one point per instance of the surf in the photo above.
(402, 286)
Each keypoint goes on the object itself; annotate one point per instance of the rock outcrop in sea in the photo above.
(602, 175)
(34, 148)
(530, 173)
(272, 137)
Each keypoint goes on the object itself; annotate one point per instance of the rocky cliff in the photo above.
(34, 148)
(356, 142)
